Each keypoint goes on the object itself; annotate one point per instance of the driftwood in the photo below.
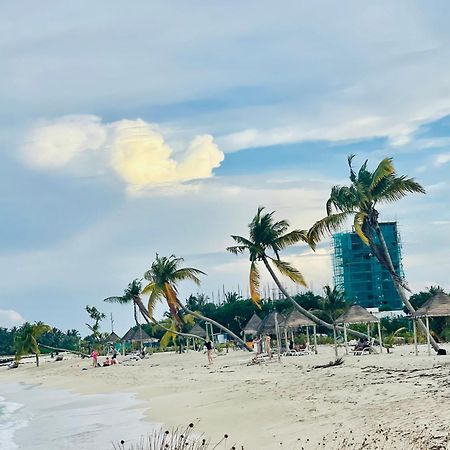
(336, 362)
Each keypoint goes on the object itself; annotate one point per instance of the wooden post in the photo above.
(415, 337)
(315, 338)
(345, 338)
(286, 338)
(379, 338)
(335, 341)
(277, 331)
(428, 335)
(307, 336)
(368, 332)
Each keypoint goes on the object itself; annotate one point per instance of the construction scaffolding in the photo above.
(357, 271)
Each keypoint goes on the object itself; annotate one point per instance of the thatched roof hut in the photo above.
(297, 320)
(357, 314)
(112, 338)
(137, 335)
(253, 325)
(197, 330)
(436, 306)
(268, 323)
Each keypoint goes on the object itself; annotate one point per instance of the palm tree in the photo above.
(132, 294)
(333, 305)
(360, 201)
(269, 236)
(164, 275)
(25, 341)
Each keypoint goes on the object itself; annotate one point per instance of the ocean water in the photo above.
(36, 418)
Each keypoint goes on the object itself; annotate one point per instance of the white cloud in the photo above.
(442, 159)
(135, 149)
(143, 159)
(53, 144)
(10, 318)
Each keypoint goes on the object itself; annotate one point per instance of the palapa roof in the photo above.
(113, 337)
(253, 325)
(357, 314)
(436, 306)
(296, 320)
(198, 331)
(136, 335)
(268, 323)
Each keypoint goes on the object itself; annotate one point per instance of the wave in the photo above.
(10, 422)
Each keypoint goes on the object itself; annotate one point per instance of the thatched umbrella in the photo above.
(112, 338)
(296, 320)
(197, 330)
(358, 314)
(252, 326)
(436, 306)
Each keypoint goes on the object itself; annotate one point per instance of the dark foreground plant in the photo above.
(181, 438)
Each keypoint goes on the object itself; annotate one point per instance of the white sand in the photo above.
(263, 406)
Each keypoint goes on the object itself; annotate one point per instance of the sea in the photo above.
(37, 418)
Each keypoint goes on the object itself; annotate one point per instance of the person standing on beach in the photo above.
(268, 350)
(94, 358)
(208, 346)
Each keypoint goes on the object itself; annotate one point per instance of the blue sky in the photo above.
(126, 131)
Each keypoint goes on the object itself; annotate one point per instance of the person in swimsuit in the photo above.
(94, 358)
(208, 346)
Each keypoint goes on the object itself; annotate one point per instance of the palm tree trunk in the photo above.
(150, 320)
(37, 360)
(218, 325)
(398, 285)
(304, 311)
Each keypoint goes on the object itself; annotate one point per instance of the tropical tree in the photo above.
(97, 317)
(267, 239)
(25, 340)
(132, 294)
(164, 275)
(359, 202)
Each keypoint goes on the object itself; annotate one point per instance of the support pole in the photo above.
(286, 339)
(368, 332)
(335, 341)
(345, 338)
(315, 339)
(307, 336)
(277, 331)
(428, 335)
(415, 337)
(379, 338)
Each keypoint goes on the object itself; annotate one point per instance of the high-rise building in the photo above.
(357, 271)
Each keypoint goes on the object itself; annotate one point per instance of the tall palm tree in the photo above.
(25, 341)
(164, 275)
(132, 294)
(359, 202)
(266, 236)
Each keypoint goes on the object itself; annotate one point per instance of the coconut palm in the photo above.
(25, 341)
(164, 275)
(132, 294)
(359, 202)
(268, 236)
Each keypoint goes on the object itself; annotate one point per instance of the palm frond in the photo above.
(326, 226)
(384, 169)
(187, 273)
(398, 187)
(289, 271)
(358, 223)
(149, 288)
(291, 238)
(116, 299)
(155, 295)
(237, 249)
(255, 284)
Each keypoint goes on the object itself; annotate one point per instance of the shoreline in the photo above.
(261, 406)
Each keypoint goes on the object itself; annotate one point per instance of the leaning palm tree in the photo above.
(360, 201)
(132, 294)
(164, 275)
(26, 340)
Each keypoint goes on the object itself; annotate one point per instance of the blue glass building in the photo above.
(357, 271)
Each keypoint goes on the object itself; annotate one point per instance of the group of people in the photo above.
(108, 361)
(262, 344)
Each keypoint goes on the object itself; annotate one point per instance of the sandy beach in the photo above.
(270, 405)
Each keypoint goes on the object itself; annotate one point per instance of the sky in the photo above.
(128, 130)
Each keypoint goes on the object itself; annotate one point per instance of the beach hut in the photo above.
(296, 320)
(112, 338)
(358, 314)
(436, 306)
(252, 326)
(137, 334)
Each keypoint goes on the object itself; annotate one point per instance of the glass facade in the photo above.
(357, 271)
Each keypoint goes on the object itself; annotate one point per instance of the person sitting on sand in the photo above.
(208, 346)
(114, 358)
(107, 362)
(94, 358)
